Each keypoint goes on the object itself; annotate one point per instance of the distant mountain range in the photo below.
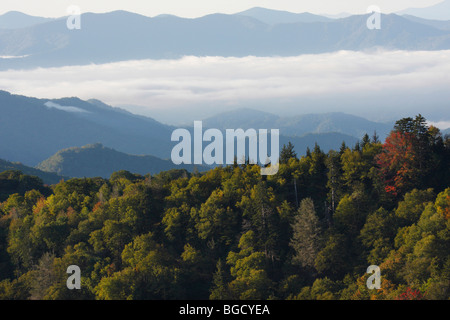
(70, 137)
(33, 130)
(273, 17)
(440, 11)
(17, 20)
(120, 35)
(297, 126)
(98, 161)
(438, 24)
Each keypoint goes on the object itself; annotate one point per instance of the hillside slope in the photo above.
(47, 177)
(34, 129)
(98, 161)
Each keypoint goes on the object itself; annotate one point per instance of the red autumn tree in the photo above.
(410, 294)
(405, 158)
(397, 162)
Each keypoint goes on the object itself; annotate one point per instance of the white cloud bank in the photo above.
(331, 79)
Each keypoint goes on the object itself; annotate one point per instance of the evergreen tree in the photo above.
(306, 239)
(287, 153)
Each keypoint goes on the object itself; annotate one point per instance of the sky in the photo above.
(196, 8)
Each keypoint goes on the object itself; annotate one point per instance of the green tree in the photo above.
(351, 213)
(377, 235)
(247, 267)
(220, 289)
(149, 273)
(334, 260)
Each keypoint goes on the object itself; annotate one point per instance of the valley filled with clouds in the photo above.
(382, 85)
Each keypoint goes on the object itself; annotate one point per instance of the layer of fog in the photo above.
(381, 85)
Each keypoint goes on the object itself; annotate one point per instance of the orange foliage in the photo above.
(40, 204)
(397, 161)
(97, 206)
(446, 211)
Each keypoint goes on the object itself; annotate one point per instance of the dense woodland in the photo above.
(308, 232)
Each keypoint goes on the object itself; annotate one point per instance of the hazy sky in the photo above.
(195, 8)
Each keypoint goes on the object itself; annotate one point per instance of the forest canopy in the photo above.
(308, 232)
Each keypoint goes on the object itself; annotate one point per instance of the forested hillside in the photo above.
(96, 160)
(47, 177)
(309, 232)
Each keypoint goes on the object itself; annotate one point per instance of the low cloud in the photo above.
(440, 124)
(52, 105)
(217, 81)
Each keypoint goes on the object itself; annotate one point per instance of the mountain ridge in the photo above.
(34, 132)
(272, 17)
(96, 160)
(438, 24)
(17, 20)
(121, 35)
(47, 177)
(40, 131)
(439, 11)
(299, 125)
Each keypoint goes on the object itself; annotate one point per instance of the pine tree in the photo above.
(287, 153)
(365, 141)
(306, 235)
(375, 137)
(220, 289)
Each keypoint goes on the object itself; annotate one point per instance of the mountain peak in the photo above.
(272, 17)
(17, 20)
(97, 145)
(15, 14)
